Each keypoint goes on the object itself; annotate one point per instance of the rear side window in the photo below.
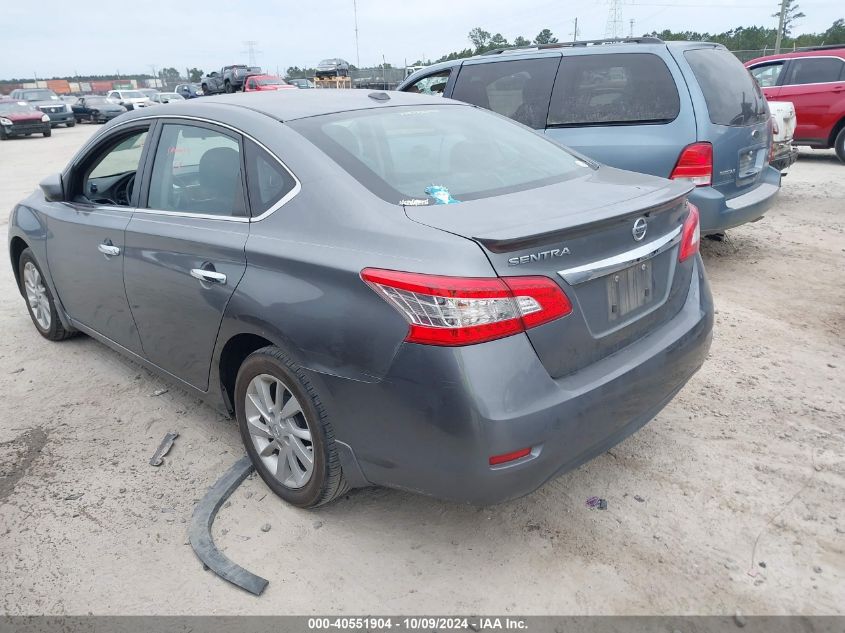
(613, 89)
(732, 95)
(814, 70)
(517, 89)
(267, 181)
(767, 75)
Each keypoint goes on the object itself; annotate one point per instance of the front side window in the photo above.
(110, 176)
(432, 85)
(197, 170)
(613, 89)
(732, 96)
(424, 155)
(518, 89)
(815, 70)
(767, 75)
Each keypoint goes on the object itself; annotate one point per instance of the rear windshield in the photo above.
(732, 95)
(430, 155)
(613, 89)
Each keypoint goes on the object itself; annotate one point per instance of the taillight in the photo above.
(465, 310)
(690, 235)
(773, 130)
(695, 164)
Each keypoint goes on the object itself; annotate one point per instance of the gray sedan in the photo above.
(383, 289)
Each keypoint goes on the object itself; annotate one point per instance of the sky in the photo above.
(133, 37)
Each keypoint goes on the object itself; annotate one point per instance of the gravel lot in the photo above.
(733, 498)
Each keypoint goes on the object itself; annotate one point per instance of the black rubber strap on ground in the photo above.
(200, 532)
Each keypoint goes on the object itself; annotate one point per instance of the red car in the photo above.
(22, 119)
(813, 79)
(258, 83)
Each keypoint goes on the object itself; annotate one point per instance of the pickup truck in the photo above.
(229, 79)
(784, 121)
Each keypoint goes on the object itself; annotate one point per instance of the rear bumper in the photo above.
(785, 155)
(431, 425)
(719, 213)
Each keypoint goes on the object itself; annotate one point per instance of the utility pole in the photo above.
(357, 52)
(780, 25)
(631, 29)
(155, 76)
(575, 31)
(613, 28)
(251, 51)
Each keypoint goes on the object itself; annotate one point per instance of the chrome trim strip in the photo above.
(602, 267)
(290, 195)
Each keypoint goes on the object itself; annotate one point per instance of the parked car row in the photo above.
(18, 118)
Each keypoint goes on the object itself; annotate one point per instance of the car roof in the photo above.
(837, 51)
(292, 105)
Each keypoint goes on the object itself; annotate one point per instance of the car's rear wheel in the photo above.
(839, 144)
(71, 123)
(228, 87)
(39, 300)
(286, 430)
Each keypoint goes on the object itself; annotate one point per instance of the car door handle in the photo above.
(108, 250)
(209, 276)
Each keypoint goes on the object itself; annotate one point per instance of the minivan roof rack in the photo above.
(611, 40)
(825, 47)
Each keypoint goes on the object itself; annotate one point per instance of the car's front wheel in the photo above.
(228, 87)
(48, 132)
(39, 300)
(71, 123)
(839, 145)
(286, 430)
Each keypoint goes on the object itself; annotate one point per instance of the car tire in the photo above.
(263, 376)
(71, 123)
(3, 135)
(48, 132)
(839, 144)
(39, 299)
(78, 120)
(228, 87)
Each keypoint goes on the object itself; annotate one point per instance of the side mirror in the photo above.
(53, 188)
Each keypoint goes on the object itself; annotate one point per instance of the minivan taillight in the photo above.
(466, 310)
(690, 234)
(695, 164)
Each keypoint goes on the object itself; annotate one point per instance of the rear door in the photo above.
(732, 116)
(814, 85)
(185, 245)
(622, 109)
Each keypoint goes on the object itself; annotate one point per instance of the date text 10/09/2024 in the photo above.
(417, 623)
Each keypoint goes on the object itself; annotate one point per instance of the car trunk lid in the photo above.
(609, 239)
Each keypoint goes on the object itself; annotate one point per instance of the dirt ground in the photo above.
(732, 498)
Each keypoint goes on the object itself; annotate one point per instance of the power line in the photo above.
(251, 50)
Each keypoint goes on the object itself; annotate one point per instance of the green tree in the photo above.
(498, 41)
(169, 75)
(479, 38)
(836, 33)
(791, 14)
(521, 41)
(545, 37)
(195, 74)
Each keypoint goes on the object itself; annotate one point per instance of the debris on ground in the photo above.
(265, 527)
(639, 498)
(74, 496)
(166, 444)
(596, 502)
(318, 525)
(817, 569)
(160, 392)
(739, 619)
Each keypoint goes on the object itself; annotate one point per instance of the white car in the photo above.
(166, 97)
(129, 99)
(784, 121)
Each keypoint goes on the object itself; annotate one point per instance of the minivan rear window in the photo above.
(613, 89)
(429, 155)
(732, 95)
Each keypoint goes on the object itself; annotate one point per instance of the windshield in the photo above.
(40, 95)
(171, 96)
(97, 101)
(429, 155)
(132, 94)
(270, 81)
(16, 107)
(327, 62)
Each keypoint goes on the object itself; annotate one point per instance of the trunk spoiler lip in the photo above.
(507, 245)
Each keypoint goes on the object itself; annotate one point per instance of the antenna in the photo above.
(613, 29)
(251, 50)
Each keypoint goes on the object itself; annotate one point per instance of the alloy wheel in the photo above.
(279, 431)
(36, 295)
